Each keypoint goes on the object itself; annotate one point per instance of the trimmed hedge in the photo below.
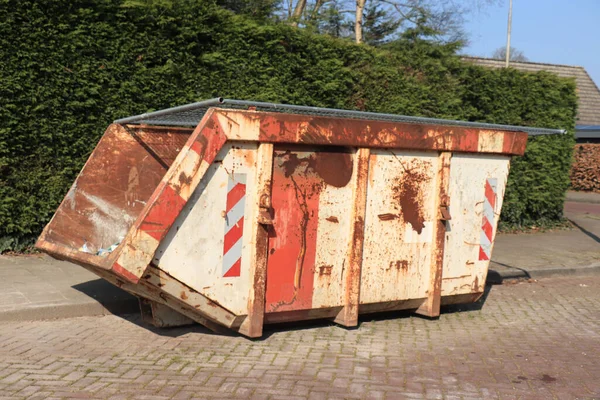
(538, 181)
(68, 68)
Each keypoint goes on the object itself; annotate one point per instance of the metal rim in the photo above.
(191, 114)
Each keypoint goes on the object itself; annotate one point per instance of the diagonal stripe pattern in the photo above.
(234, 225)
(487, 224)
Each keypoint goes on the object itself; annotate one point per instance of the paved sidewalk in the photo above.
(530, 340)
(559, 252)
(38, 287)
(583, 197)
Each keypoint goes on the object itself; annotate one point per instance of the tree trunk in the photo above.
(360, 6)
(298, 10)
(315, 10)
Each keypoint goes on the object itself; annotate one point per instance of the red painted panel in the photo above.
(210, 140)
(298, 180)
(163, 213)
(514, 143)
(466, 140)
(292, 245)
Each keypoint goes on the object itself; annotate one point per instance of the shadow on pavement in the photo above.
(175, 331)
(478, 305)
(585, 231)
(115, 300)
(124, 305)
(495, 278)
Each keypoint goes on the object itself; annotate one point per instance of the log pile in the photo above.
(585, 171)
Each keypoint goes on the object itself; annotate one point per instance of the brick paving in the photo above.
(531, 340)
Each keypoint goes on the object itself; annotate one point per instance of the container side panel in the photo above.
(333, 239)
(208, 246)
(477, 184)
(398, 226)
(311, 197)
(113, 187)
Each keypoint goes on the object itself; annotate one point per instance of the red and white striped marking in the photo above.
(487, 225)
(234, 225)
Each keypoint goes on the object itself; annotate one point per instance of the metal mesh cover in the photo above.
(191, 114)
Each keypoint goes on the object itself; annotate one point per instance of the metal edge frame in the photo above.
(339, 113)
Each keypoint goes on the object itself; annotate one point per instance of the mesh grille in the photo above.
(191, 114)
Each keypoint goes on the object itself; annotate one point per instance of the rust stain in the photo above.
(301, 198)
(387, 217)
(183, 295)
(326, 130)
(332, 219)
(408, 194)
(358, 236)
(399, 265)
(282, 303)
(292, 161)
(476, 284)
(325, 270)
(184, 179)
(334, 168)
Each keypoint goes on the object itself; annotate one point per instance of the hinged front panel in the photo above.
(308, 246)
(208, 246)
(398, 226)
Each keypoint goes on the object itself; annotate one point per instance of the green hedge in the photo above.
(68, 68)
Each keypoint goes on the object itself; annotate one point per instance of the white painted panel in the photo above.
(333, 239)
(463, 272)
(398, 226)
(192, 251)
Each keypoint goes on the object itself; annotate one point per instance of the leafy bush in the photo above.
(68, 68)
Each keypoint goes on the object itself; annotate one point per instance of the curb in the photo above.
(129, 305)
(591, 198)
(497, 277)
(72, 310)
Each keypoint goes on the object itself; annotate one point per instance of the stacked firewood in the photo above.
(585, 171)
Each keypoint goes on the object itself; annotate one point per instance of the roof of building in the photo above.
(589, 95)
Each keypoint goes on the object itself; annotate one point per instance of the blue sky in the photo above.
(549, 31)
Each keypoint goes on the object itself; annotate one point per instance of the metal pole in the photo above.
(508, 33)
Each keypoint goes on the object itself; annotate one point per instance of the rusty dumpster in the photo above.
(236, 214)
